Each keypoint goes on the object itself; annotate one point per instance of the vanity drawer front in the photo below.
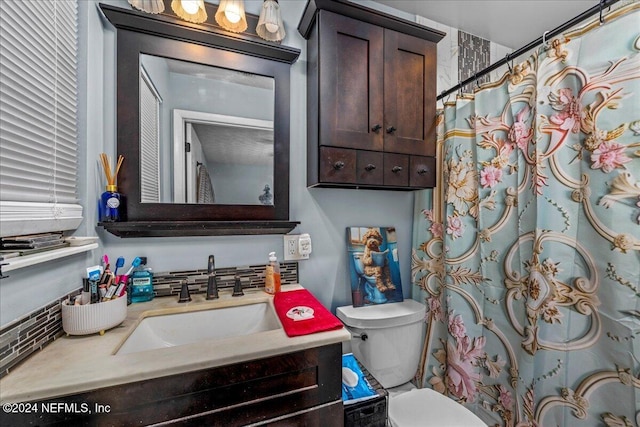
(422, 172)
(370, 167)
(396, 170)
(337, 165)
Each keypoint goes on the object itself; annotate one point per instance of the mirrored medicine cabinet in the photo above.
(203, 123)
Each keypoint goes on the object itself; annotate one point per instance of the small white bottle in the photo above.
(272, 275)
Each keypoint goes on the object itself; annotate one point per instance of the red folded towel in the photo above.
(301, 313)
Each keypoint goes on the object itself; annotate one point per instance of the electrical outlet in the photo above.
(291, 245)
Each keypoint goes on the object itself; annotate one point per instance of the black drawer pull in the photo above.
(370, 167)
(338, 165)
(391, 129)
(422, 171)
(376, 128)
(396, 169)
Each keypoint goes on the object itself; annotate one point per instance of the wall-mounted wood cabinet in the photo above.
(371, 93)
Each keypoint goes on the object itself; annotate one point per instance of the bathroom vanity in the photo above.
(238, 380)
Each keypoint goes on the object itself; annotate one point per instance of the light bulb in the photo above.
(232, 14)
(190, 6)
(272, 28)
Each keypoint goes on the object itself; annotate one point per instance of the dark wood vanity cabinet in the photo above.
(302, 388)
(371, 98)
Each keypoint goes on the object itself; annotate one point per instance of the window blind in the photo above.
(149, 140)
(38, 116)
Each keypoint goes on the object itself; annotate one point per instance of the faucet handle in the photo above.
(184, 292)
(237, 287)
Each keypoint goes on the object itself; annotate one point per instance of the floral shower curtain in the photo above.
(527, 254)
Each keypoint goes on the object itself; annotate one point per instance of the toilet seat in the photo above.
(426, 407)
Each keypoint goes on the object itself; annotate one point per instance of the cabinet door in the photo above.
(409, 94)
(351, 83)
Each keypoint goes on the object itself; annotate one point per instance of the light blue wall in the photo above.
(324, 213)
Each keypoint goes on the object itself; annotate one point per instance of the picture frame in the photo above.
(373, 265)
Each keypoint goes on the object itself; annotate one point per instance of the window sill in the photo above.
(28, 260)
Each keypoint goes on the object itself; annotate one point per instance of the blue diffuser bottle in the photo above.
(110, 205)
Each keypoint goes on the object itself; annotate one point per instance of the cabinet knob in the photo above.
(422, 171)
(338, 165)
(376, 128)
(396, 169)
(391, 129)
(370, 167)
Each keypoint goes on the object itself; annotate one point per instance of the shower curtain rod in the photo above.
(547, 35)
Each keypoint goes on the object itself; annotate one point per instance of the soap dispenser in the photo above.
(272, 275)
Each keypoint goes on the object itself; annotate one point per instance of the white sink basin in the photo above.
(169, 330)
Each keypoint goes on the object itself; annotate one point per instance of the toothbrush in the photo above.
(105, 274)
(119, 263)
(135, 263)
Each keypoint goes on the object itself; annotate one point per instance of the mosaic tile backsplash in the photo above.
(473, 56)
(24, 336)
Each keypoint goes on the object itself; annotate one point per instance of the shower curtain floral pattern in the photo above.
(527, 254)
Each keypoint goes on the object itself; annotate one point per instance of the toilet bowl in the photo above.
(387, 341)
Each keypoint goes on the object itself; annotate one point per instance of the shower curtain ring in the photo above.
(601, 7)
(544, 40)
(508, 57)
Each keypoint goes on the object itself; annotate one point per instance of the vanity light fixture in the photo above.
(149, 6)
(230, 15)
(270, 26)
(190, 10)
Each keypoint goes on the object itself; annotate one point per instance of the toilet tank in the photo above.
(394, 334)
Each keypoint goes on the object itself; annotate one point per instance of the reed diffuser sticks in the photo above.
(106, 166)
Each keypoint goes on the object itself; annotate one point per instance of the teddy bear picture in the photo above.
(374, 268)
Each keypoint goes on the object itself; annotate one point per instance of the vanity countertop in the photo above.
(74, 364)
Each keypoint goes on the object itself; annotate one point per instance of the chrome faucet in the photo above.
(212, 284)
(237, 287)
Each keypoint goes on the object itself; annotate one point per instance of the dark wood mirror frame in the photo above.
(167, 36)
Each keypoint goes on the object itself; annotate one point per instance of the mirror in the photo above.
(200, 83)
(222, 146)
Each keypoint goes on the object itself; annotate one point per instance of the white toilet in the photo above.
(387, 340)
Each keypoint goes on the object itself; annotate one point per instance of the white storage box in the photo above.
(91, 318)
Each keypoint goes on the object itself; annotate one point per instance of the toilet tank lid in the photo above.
(382, 315)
